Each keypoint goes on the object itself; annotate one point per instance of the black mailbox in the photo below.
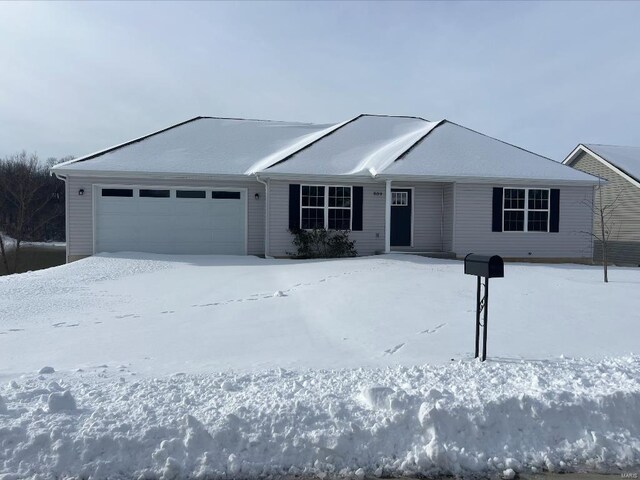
(488, 266)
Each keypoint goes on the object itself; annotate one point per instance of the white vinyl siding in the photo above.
(427, 216)
(624, 245)
(369, 240)
(473, 220)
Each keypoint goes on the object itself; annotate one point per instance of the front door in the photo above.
(401, 217)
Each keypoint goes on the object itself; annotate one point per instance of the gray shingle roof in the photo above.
(451, 150)
(369, 145)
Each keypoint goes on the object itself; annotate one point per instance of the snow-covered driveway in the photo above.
(157, 314)
(238, 367)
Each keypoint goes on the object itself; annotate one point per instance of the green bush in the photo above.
(321, 243)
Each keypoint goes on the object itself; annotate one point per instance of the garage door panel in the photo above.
(171, 225)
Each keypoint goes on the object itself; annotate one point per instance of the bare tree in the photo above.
(603, 211)
(29, 200)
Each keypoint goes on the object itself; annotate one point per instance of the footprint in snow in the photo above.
(72, 325)
(16, 329)
(393, 350)
(168, 311)
(59, 324)
(433, 330)
(125, 316)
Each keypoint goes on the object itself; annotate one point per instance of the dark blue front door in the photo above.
(401, 217)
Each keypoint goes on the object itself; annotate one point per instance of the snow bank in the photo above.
(463, 417)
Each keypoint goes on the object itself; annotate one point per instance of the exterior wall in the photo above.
(368, 241)
(447, 217)
(473, 215)
(428, 209)
(624, 242)
(80, 209)
(428, 222)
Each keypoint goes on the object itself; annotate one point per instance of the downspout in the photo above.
(442, 220)
(266, 215)
(66, 213)
(387, 218)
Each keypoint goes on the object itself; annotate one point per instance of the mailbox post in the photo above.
(483, 266)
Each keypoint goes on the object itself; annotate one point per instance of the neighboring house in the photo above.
(620, 167)
(235, 186)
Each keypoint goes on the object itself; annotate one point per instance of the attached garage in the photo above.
(172, 220)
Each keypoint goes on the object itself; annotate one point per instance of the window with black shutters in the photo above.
(327, 207)
(525, 210)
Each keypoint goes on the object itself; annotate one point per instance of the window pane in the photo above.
(537, 221)
(154, 193)
(513, 221)
(312, 196)
(514, 198)
(191, 194)
(340, 197)
(399, 199)
(538, 199)
(339, 219)
(117, 192)
(227, 195)
(312, 218)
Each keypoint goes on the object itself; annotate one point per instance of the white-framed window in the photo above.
(525, 210)
(325, 206)
(399, 199)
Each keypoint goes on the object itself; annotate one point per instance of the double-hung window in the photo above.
(323, 206)
(525, 210)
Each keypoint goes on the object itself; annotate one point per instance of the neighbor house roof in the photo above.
(622, 159)
(366, 145)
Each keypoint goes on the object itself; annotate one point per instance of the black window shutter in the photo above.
(356, 222)
(294, 206)
(554, 219)
(496, 223)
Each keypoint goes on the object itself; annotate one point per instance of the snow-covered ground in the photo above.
(214, 366)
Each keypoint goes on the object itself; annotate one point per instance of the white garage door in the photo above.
(170, 220)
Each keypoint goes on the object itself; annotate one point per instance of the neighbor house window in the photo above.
(526, 210)
(324, 206)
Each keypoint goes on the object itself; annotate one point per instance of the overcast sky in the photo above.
(78, 77)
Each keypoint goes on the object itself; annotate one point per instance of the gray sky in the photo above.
(79, 77)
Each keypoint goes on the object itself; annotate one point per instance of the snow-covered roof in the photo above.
(203, 145)
(624, 158)
(366, 145)
(451, 150)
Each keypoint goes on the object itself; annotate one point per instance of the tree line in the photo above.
(32, 205)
